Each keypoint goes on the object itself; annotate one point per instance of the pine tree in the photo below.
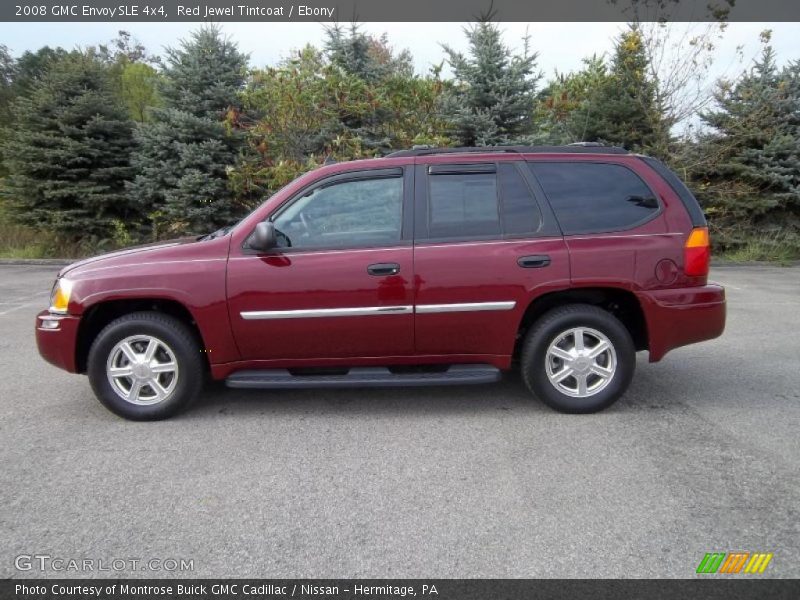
(188, 147)
(625, 111)
(492, 100)
(612, 102)
(367, 57)
(569, 105)
(7, 70)
(368, 67)
(68, 153)
(749, 175)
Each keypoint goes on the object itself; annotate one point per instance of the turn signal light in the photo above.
(59, 300)
(697, 253)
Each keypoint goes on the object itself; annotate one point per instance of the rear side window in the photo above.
(463, 205)
(480, 201)
(520, 211)
(595, 197)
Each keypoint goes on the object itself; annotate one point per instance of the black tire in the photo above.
(551, 326)
(179, 340)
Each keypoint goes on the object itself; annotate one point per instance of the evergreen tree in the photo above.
(32, 66)
(6, 96)
(68, 152)
(627, 114)
(367, 65)
(492, 99)
(188, 147)
(365, 56)
(6, 85)
(748, 171)
(612, 103)
(568, 105)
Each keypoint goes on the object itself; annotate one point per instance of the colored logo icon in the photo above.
(734, 562)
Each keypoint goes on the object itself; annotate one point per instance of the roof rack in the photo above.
(576, 148)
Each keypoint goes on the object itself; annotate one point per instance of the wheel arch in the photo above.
(100, 314)
(620, 302)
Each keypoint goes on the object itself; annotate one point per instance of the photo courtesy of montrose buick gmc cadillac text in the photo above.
(425, 267)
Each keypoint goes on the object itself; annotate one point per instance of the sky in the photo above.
(561, 46)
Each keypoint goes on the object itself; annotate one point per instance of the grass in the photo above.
(22, 242)
(18, 241)
(780, 248)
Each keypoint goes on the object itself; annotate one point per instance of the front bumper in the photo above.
(56, 339)
(682, 316)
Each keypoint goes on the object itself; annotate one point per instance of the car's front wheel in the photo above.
(145, 366)
(578, 358)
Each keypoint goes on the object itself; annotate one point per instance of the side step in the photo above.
(363, 377)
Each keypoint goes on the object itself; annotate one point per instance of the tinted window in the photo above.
(463, 205)
(520, 212)
(363, 212)
(592, 197)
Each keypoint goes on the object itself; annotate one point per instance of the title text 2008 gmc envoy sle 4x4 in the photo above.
(428, 266)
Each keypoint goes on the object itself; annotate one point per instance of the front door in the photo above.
(340, 283)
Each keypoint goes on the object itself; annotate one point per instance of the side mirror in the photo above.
(264, 237)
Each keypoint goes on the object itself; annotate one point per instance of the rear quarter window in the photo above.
(595, 197)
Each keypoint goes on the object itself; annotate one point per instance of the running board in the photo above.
(362, 377)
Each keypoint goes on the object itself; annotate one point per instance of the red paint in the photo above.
(217, 280)
(313, 280)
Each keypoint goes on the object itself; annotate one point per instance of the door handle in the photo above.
(383, 269)
(533, 262)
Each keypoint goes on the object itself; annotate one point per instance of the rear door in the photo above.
(483, 246)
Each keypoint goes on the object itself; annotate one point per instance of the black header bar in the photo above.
(706, 587)
(345, 11)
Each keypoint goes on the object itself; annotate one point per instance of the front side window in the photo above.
(595, 197)
(361, 212)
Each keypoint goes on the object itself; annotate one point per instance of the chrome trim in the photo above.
(314, 313)
(360, 311)
(464, 307)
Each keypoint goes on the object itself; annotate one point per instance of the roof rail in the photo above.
(576, 148)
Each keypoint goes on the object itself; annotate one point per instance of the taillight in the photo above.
(697, 253)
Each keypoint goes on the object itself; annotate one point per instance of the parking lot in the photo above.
(702, 455)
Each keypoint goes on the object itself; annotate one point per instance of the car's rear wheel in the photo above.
(145, 366)
(578, 359)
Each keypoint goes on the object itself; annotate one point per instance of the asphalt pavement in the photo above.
(701, 455)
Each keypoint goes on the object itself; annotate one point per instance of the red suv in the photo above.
(428, 266)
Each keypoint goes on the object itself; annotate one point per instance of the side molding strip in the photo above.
(327, 312)
(465, 307)
(376, 310)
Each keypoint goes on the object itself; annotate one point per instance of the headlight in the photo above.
(59, 298)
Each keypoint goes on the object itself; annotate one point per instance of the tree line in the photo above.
(110, 145)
